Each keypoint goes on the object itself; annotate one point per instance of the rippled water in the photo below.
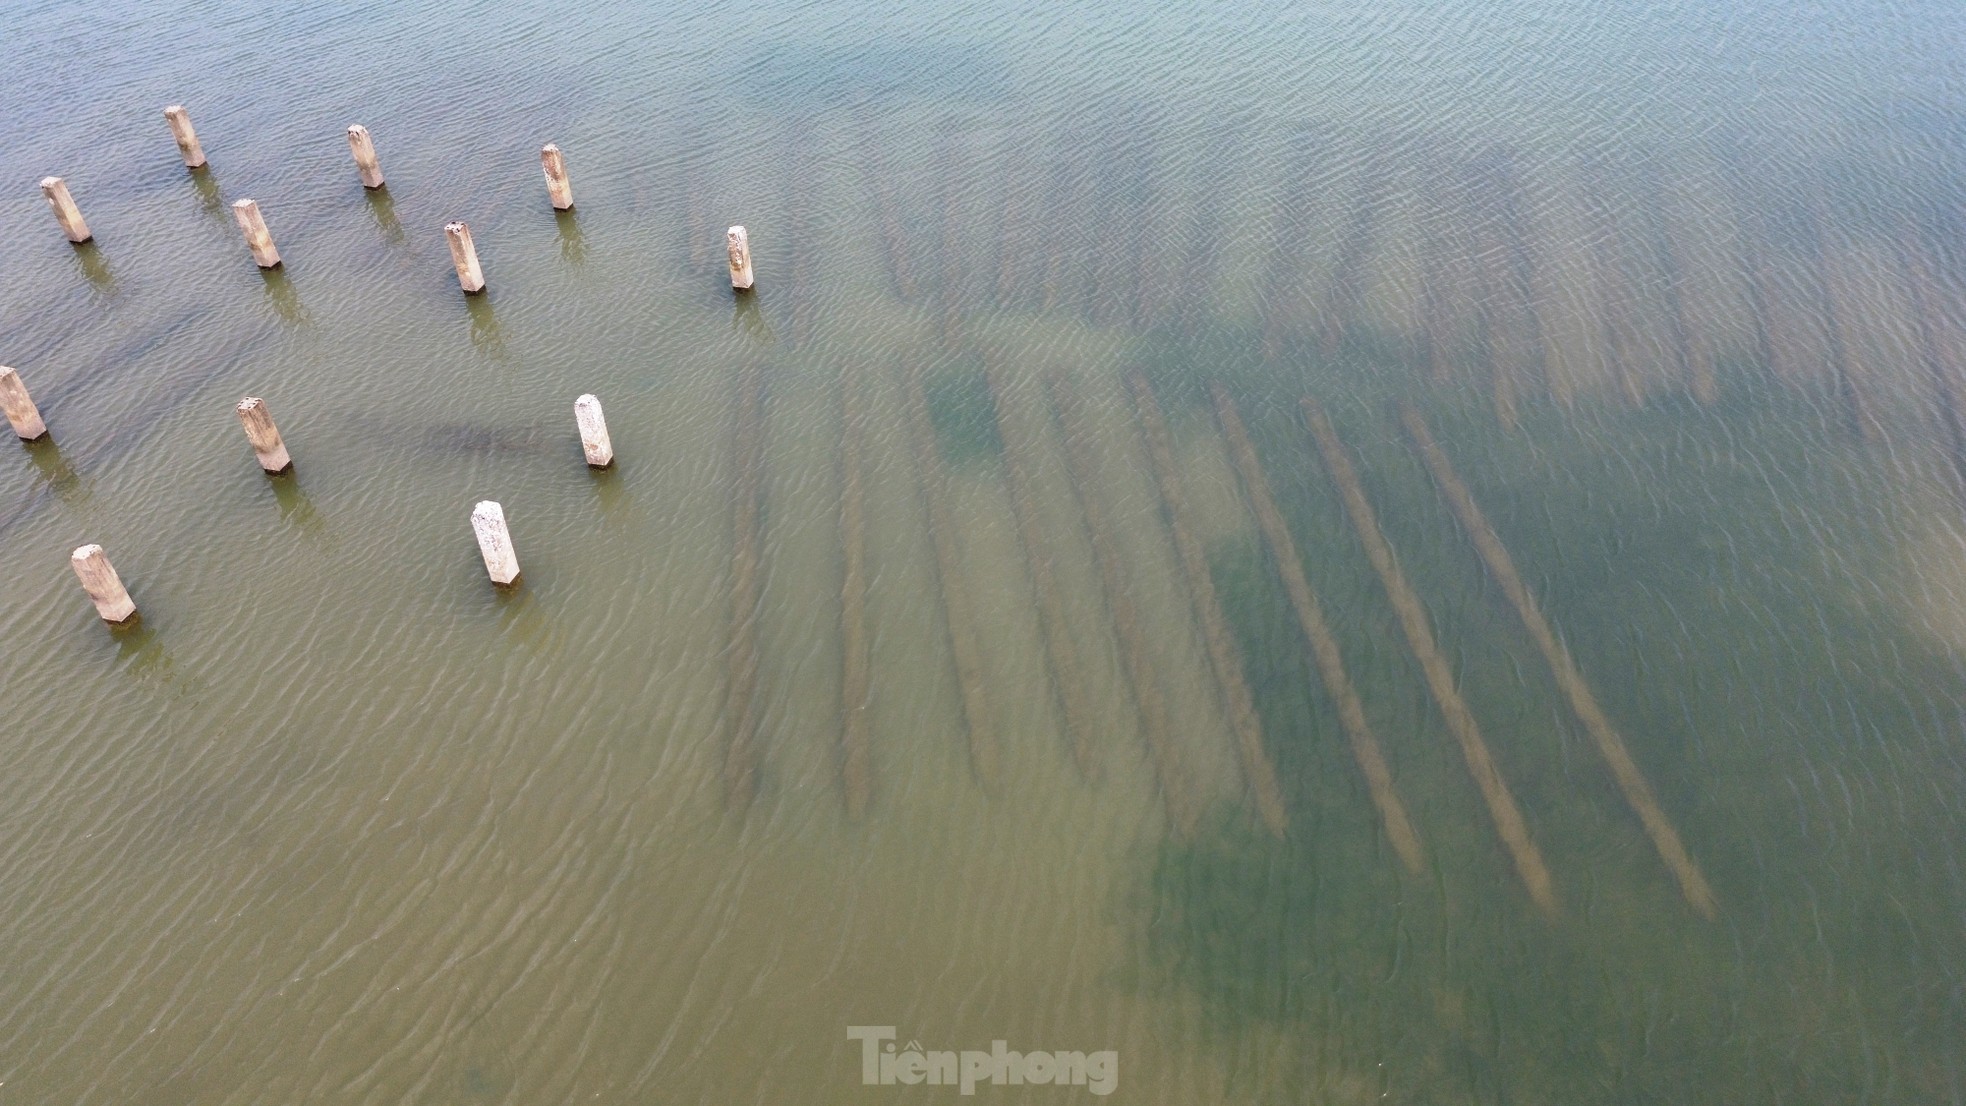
(877, 683)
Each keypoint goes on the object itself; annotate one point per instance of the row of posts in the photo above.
(105, 587)
(92, 566)
(464, 254)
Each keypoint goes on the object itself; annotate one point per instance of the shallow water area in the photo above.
(976, 634)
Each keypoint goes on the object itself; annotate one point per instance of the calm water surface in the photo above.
(872, 686)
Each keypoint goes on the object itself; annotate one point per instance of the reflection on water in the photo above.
(573, 244)
(95, 268)
(204, 184)
(284, 297)
(382, 208)
(978, 633)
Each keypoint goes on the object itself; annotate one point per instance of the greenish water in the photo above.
(1677, 287)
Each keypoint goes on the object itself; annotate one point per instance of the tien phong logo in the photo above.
(882, 1065)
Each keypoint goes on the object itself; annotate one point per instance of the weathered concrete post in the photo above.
(464, 255)
(21, 412)
(593, 431)
(363, 147)
(495, 543)
(739, 245)
(253, 226)
(265, 437)
(187, 139)
(99, 579)
(558, 187)
(66, 213)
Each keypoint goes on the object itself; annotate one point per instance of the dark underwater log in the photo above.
(1067, 675)
(856, 660)
(1940, 347)
(1439, 675)
(873, 170)
(932, 479)
(1324, 644)
(746, 589)
(1149, 695)
(1624, 770)
(1837, 300)
(1223, 656)
(1283, 279)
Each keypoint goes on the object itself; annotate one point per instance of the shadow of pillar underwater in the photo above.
(485, 332)
(53, 469)
(573, 244)
(741, 754)
(382, 209)
(284, 297)
(96, 269)
(748, 319)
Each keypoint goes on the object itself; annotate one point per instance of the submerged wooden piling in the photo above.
(1618, 292)
(856, 660)
(187, 138)
(559, 188)
(1149, 692)
(746, 588)
(1433, 665)
(464, 257)
(1445, 264)
(737, 243)
(801, 188)
(932, 480)
(1257, 771)
(1691, 305)
(22, 415)
(1339, 306)
(66, 213)
(956, 175)
(1284, 276)
(594, 440)
(362, 147)
(1939, 350)
(873, 168)
(1624, 770)
(1325, 653)
(258, 238)
(264, 436)
(1012, 218)
(1505, 313)
(495, 543)
(1839, 324)
(1067, 674)
(105, 588)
